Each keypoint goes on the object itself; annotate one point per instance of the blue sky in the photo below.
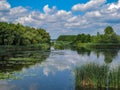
(63, 16)
(39, 4)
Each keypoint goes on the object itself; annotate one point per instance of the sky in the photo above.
(63, 16)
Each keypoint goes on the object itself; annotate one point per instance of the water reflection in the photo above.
(52, 70)
(61, 60)
(83, 51)
(17, 60)
(109, 54)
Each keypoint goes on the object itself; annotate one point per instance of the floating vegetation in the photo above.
(7, 75)
(23, 59)
(14, 60)
(97, 76)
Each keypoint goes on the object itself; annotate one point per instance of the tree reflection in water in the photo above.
(15, 60)
(109, 54)
(93, 76)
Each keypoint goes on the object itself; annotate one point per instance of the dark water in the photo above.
(51, 70)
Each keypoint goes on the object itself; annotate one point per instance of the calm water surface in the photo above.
(54, 70)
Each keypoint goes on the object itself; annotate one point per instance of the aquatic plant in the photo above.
(97, 76)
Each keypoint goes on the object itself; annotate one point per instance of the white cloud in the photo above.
(114, 6)
(63, 13)
(94, 14)
(92, 4)
(4, 5)
(66, 22)
(46, 9)
(18, 10)
(73, 19)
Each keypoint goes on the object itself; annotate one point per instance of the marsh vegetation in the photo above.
(97, 76)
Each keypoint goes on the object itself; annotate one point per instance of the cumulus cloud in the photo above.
(95, 17)
(48, 10)
(92, 4)
(18, 10)
(114, 6)
(4, 5)
(63, 13)
(9, 14)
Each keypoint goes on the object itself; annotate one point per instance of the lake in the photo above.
(50, 70)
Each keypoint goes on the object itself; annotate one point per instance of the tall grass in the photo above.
(42, 46)
(62, 45)
(97, 76)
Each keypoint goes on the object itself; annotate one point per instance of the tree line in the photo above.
(17, 34)
(67, 38)
(109, 36)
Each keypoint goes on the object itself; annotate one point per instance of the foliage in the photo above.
(82, 38)
(97, 76)
(67, 38)
(61, 44)
(107, 40)
(109, 36)
(17, 34)
(108, 30)
(42, 46)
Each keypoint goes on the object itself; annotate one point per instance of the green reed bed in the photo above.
(97, 76)
(114, 78)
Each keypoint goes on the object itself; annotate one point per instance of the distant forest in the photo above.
(109, 36)
(17, 34)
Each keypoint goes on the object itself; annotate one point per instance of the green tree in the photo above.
(69, 38)
(110, 36)
(83, 38)
(17, 34)
(108, 30)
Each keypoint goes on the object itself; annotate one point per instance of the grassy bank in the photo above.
(103, 45)
(66, 44)
(62, 44)
(43, 46)
(97, 45)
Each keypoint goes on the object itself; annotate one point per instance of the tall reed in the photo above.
(97, 76)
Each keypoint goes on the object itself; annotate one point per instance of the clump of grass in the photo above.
(23, 59)
(43, 46)
(114, 78)
(97, 76)
(62, 45)
(7, 75)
